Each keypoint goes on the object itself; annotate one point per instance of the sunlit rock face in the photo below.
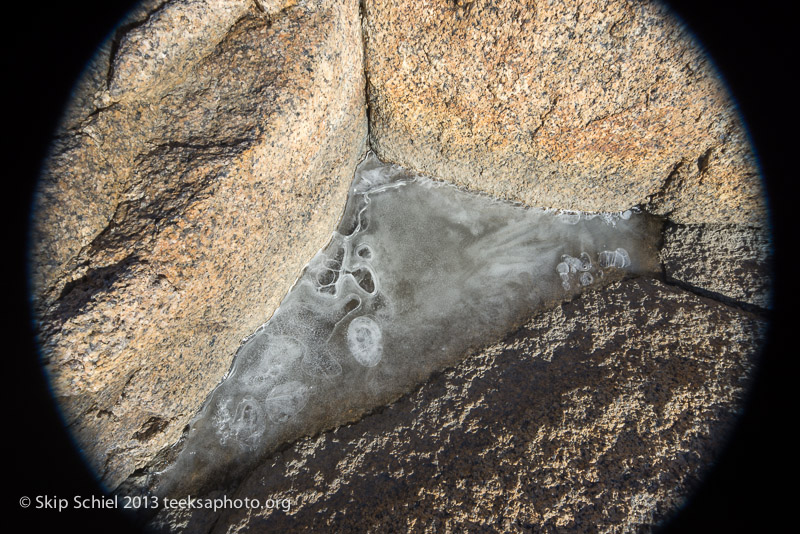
(158, 215)
(417, 274)
(596, 105)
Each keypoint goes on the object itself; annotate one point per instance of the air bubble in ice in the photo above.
(585, 262)
(563, 271)
(275, 360)
(245, 425)
(321, 365)
(365, 341)
(363, 251)
(574, 264)
(364, 278)
(569, 217)
(614, 258)
(352, 304)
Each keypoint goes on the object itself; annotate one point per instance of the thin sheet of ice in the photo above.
(417, 274)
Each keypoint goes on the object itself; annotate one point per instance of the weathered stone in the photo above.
(167, 230)
(92, 86)
(598, 105)
(600, 415)
(730, 262)
(158, 52)
(272, 7)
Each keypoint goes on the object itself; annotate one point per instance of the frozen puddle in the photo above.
(418, 274)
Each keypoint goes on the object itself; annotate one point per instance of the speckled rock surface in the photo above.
(598, 105)
(166, 230)
(730, 262)
(161, 48)
(600, 415)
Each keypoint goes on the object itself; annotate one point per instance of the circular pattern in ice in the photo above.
(364, 251)
(365, 341)
(244, 425)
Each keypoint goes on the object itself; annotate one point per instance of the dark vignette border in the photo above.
(46, 48)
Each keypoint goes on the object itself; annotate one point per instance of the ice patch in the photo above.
(417, 273)
(286, 400)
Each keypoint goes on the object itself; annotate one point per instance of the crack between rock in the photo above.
(654, 200)
(719, 298)
(722, 299)
(716, 297)
(545, 116)
(213, 147)
(363, 23)
(611, 115)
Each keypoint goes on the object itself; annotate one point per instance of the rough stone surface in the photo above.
(598, 105)
(599, 415)
(729, 262)
(156, 53)
(166, 230)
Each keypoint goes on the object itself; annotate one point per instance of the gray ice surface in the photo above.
(417, 274)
